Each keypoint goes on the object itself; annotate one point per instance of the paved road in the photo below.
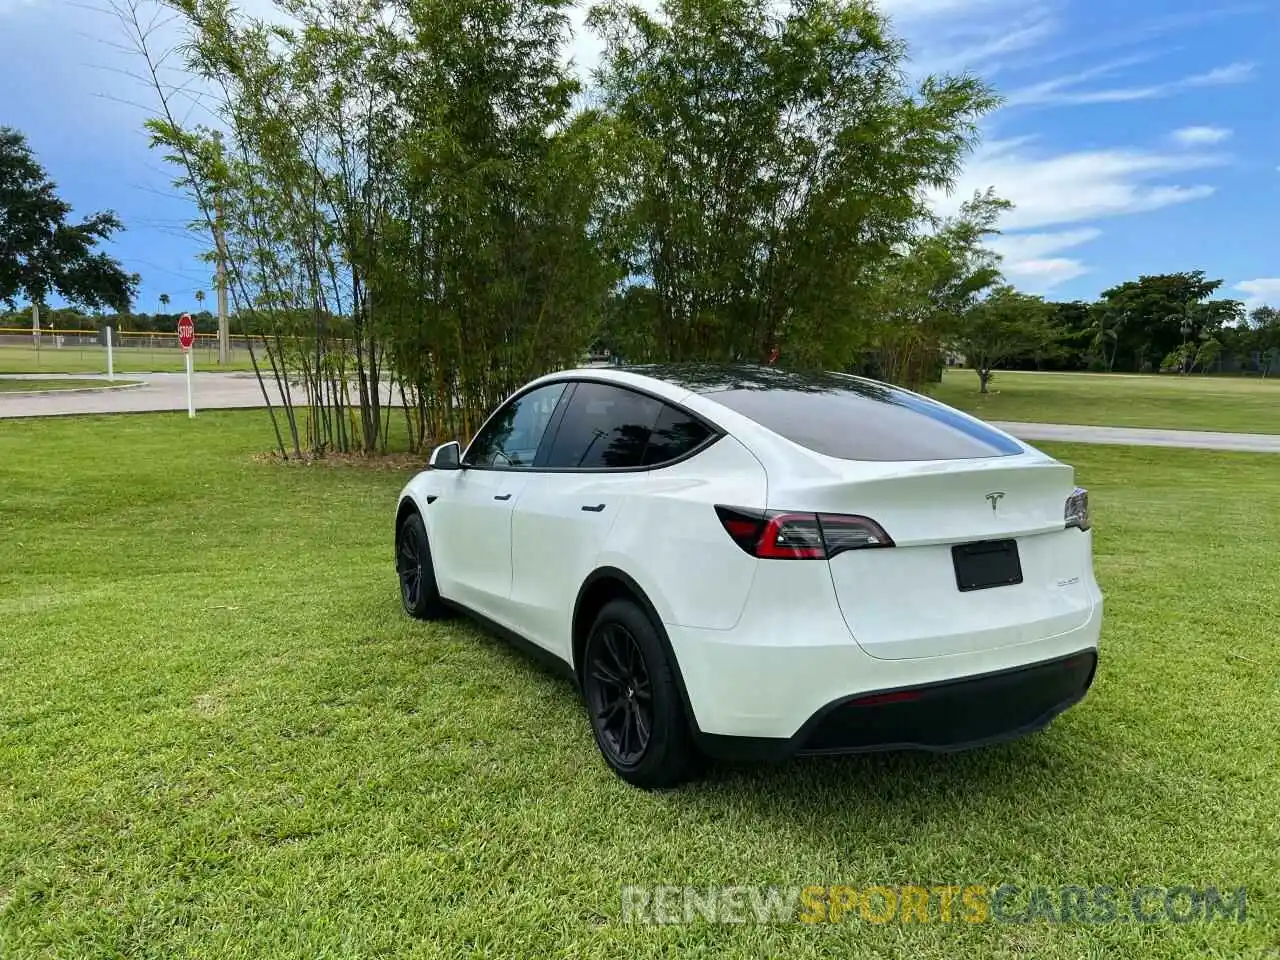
(1145, 436)
(159, 391)
(167, 391)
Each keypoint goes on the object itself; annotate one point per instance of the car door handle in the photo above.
(502, 496)
(596, 509)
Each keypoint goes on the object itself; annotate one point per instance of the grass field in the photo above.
(1234, 404)
(92, 359)
(219, 737)
(19, 385)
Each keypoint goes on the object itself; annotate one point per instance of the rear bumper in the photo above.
(941, 717)
(769, 680)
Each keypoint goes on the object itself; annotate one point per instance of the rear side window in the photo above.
(603, 426)
(607, 427)
(674, 435)
(866, 420)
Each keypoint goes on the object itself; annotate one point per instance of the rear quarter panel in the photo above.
(673, 544)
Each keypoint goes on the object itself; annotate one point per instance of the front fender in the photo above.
(417, 495)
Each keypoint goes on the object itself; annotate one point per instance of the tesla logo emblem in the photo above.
(994, 499)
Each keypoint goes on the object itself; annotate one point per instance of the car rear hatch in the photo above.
(980, 560)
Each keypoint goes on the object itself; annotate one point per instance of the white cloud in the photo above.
(1026, 259)
(1200, 136)
(976, 36)
(1237, 72)
(1075, 187)
(932, 9)
(1066, 90)
(1264, 291)
(982, 51)
(1039, 276)
(1030, 246)
(1045, 91)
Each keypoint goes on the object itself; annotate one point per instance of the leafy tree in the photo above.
(919, 293)
(1207, 354)
(1177, 359)
(1074, 350)
(407, 193)
(1262, 332)
(777, 161)
(200, 299)
(164, 300)
(1107, 321)
(41, 252)
(1003, 325)
(1145, 319)
(1265, 317)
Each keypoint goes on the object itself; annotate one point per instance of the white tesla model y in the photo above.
(745, 562)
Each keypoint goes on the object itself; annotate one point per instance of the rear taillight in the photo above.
(1076, 512)
(788, 535)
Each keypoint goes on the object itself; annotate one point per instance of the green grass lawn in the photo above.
(1233, 404)
(18, 385)
(219, 736)
(93, 359)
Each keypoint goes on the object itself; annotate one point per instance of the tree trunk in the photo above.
(984, 377)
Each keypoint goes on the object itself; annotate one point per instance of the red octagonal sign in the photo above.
(186, 331)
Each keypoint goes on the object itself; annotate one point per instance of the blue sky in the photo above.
(1135, 138)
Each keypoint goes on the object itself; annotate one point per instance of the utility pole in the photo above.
(224, 334)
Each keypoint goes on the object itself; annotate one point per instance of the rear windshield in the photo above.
(856, 419)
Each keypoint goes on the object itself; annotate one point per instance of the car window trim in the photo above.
(553, 425)
(714, 433)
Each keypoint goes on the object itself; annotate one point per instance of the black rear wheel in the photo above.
(417, 574)
(634, 702)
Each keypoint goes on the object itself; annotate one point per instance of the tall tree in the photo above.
(41, 250)
(921, 291)
(1144, 320)
(1263, 329)
(406, 193)
(778, 159)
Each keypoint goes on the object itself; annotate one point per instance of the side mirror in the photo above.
(447, 456)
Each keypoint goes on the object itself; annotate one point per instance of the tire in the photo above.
(417, 574)
(633, 700)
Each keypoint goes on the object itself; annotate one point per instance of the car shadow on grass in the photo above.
(941, 814)
(908, 778)
(1049, 768)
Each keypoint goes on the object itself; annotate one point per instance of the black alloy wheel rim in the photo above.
(409, 566)
(620, 694)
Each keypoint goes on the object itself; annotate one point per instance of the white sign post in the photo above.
(187, 337)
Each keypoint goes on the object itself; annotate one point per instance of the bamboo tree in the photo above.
(780, 162)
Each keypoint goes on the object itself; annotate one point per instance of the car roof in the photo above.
(623, 376)
(706, 378)
(874, 416)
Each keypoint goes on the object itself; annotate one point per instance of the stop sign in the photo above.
(186, 331)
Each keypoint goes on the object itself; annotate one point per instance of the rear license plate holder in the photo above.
(986, 564)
